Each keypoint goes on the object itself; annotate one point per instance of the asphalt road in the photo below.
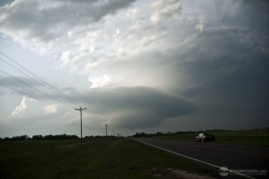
(241, 158)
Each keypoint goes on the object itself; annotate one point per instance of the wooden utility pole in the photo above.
(106, 130)
(80, 109)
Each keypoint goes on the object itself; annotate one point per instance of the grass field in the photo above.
(96, 158)
(247, 137)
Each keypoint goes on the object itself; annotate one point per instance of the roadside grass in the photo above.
(96, 158)
(258, 137)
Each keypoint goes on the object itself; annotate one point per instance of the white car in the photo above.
(203, 137)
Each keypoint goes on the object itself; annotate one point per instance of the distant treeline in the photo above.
(143, 134)
(39, 137)
(51, 137)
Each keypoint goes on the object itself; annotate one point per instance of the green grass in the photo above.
(97, 158)
(247, 137)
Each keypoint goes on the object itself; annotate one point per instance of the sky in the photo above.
(136, 65)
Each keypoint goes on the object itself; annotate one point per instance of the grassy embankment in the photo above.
(247, 137)
(97, 158)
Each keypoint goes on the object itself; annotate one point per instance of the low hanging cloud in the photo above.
(136, 107)
(122, 107)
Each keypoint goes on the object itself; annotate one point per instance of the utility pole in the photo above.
(113, 132)
(106, 130)
(80, 109)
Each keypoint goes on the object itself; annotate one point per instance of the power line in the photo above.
(31, 75)
(21, 81)
(26, 84)
(12, 89)
(28, 71)
(44, 83)
(16, 68)
(21, 71)
(20, 92)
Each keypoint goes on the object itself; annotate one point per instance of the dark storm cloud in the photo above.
(135, 107)
(233, 72)
(251, 15)
(223, 60)
(226, 69)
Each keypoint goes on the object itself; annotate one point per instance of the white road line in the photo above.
(185, 156)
